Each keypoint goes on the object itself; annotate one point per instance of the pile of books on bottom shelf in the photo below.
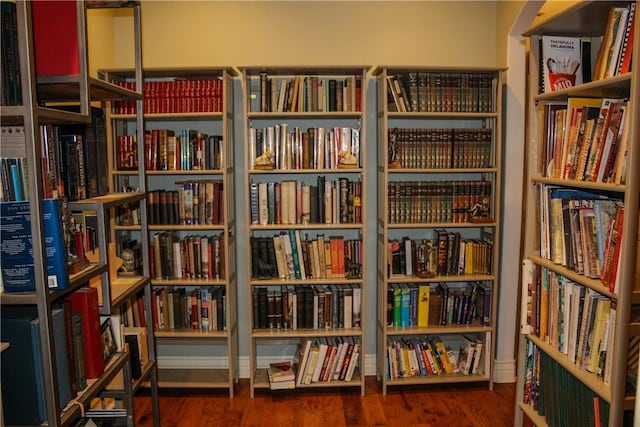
(281, 376)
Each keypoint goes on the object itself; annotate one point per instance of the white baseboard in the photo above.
(504, 371)
(179, 362)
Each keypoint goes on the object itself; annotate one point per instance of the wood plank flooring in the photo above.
(441, 406)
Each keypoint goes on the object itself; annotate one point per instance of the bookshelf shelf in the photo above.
(318, 146)
(303, 332)
(185, 333)
(198, 125)
(425, 207)
(594, 284)
(188, 282)
(603, 186)
(589, 379)
(438, 330)
(440, 379)
(195, 377)
(302, 282)
(546, 184)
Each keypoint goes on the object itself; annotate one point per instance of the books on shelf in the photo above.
(281, 375)
(302, 93)
(85, 301)
(18, 272)
(175, 96)
(282, 308)
(430, 355)
(432, 91)
(23, 392)
(11, 80)
(617, 42)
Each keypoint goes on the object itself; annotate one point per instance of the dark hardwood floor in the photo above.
(441, 406)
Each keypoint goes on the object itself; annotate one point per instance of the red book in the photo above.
(55, 30)
(85, 301)
(154, 310)
(141, 312)
(610, 270)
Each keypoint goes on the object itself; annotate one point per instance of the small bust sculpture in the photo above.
(128, 262)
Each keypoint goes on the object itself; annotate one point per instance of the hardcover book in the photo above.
(85, 300)
(18, 273)
(23, 398)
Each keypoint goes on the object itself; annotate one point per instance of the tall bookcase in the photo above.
(438, 233)
(565, 357)
(186, 164)
(304, 145)
(38, 107)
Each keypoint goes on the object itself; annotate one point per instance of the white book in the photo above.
(353, 362)
(263, 204)
(319, 361)
(348, 308)
(288, 253)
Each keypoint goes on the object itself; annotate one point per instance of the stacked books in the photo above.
(281, 376)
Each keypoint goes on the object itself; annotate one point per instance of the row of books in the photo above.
(174, 96)
(189, 149)
(587, 139)
(413, 305)
(296, 202)
(13, 172)
(429, 355)
(195, 202)
(419, 148)
(327, 359)
(305, 94)
(614, 57)
(73, 158)
(290, 256)
(446, 255)
(294, 148)
(202, 309)
(553, 392)
(441, 92)
(126, 154)
(575, 320)
(307, 307)
(582, 231)
(11, 81)
(16, 258)
(436, 201)
(189, 258)
(13, 175)
(79, 355)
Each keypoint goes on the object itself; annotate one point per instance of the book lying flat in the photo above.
(280, 372)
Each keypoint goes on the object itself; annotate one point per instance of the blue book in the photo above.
(23, 396)
(16, 258)
(62, 361)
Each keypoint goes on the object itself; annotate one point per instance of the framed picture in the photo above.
(108, 341)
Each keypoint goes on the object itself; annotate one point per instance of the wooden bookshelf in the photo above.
(586, 20)
(195, 107)
(290, 101)
(434, 129)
